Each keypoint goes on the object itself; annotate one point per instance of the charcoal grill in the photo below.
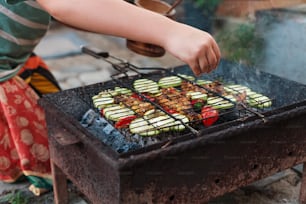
(190, 167)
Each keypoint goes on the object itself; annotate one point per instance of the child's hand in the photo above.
(195, 47)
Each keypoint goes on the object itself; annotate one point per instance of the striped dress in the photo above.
(23, 134)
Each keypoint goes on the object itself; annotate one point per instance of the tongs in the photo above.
(122, 66)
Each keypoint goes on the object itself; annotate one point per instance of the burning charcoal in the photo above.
(101, 122)
(89, 117)
(108, 129)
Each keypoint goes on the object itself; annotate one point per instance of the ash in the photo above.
(104, 131)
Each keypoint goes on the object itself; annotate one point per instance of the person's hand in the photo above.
(195, 47)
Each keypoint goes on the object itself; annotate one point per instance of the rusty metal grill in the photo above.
(245, 145)
(128, 73)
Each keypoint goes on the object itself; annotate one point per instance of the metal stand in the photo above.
(59, 185)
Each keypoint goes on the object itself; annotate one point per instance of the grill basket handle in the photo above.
(95, 52)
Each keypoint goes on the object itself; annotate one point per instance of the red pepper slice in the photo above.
(101, 112)
(124, 122)
(170, 111)
(209, 115)
(149, 97)
(135, 95)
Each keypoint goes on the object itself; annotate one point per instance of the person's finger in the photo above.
(195, 67)
(217, 52)
(211, 60)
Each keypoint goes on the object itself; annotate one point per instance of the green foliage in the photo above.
(16, 197)
(207, 5)
(241, 44)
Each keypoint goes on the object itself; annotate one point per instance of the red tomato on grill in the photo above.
(209, 115)
(124, 122)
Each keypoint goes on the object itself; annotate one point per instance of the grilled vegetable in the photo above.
(202, 82)
(258, 100)
(153, 113)
(166, 123)
(103, 102)
(142, 127)
(117, 112)
(150, 126)
(121, 90)
(171, 81)
(188, 77)
(107, 93)
(235, 89)
(125, 121)
(209, 115)
(196, 95)
(197, 104)
(146, 86)
(220, 103)
(178, 125)
(162, 123)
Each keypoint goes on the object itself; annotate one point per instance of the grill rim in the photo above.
(50, 101)
(124, 159)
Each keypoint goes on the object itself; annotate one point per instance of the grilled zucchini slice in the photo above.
(188, 77)
(258, 100)
(196, 95)
(236, 89)
(146, 86)
(171, 81)
(117, 112)
(103, 102)
(142, 127)
(220, 103)
(122, 91)
(203, 82)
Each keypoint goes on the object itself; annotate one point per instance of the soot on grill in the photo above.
(107, 133)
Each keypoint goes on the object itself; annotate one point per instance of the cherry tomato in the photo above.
(209, 115)
(124, 122)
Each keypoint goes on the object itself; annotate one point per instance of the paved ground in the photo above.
(73, 70)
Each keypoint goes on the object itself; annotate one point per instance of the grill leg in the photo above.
(303, 186)
(59, 185)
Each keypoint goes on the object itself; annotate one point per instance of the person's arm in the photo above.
(119, 18)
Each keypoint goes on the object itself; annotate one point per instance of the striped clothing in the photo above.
(22, 25)
(24, 146)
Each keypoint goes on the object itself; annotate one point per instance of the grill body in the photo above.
(191, 169)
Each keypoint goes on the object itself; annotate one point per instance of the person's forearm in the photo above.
(119, 18)
(115, 17)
